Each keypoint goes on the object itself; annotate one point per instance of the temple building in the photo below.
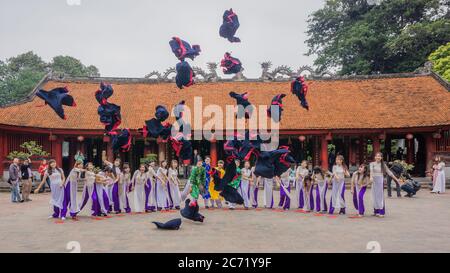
(355, 116)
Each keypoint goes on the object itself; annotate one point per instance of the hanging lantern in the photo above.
(409, 136)
(80, 138)
(302, 138)
(105, 138)
(52, 137)
(329, 137)
(437, 135)
(382, 136)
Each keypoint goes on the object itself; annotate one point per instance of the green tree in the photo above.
(32, 148)
(441, 61)
(385, 36)
(73, 67)
(20, 74)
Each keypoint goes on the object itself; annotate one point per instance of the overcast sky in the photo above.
(130, 38)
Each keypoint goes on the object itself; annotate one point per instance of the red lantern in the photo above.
(52, 137)
(105, 138)
(80, 138)
(329, 137)
(409, 136)
(302, 138)
(382, 136)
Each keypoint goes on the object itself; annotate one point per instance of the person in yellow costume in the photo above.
(216, 199)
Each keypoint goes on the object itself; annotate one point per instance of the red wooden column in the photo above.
(213, 152)
(57, 150)
(324, 152)
(161, 150)
(376, 145)
(410, 150)
(430, 148)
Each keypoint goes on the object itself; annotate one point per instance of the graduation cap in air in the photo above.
(110, 116)
(104, 93)
(183, 49)
(122, 141)
(242, 100)
(300, 88)
(191, 211)
(283, 160)
(56, 98)
(173, 224)
(277, 101)
(161, 113)
(229, 26)
(274, 163)
(229, 193)
(182, 148)
(230, 65)
(243, 147)
(154, 128)
(185, 75)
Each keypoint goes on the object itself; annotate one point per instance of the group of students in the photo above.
(157, 188)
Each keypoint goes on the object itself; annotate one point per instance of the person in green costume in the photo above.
(197, 180)
(235, 183)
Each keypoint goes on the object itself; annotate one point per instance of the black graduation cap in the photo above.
(161, 113)
(230, 64)
(283, 161)
(122, 141)
(185, 75)
(229, 26)
(154, 128)
(183, 49)
(110, 116)
(277, 101)
(104, 93)
(173, 224)
(56, 98)
(191, 211)
(267, 164)
(182, 148)
(242, 100)
(300, 88)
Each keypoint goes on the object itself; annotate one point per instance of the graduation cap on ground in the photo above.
(191, 211)
(56, 98)
(300, 88)
(183, 49)
(242, 100)
(230, 65)
(173, 224)
(110, 116)
(122, 141)
(277, 101)
(185, 75)
(104, 93)
(161, 113)
(229, 26)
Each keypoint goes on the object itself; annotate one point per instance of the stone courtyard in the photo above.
(419, 224)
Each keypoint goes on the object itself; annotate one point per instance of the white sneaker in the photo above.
(50, 217)
(63, 218)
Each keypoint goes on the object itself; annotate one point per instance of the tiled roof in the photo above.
(358, 103)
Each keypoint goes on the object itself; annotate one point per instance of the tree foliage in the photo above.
(32, 148)
(441, 61)
(20, 74)
(389, 36)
